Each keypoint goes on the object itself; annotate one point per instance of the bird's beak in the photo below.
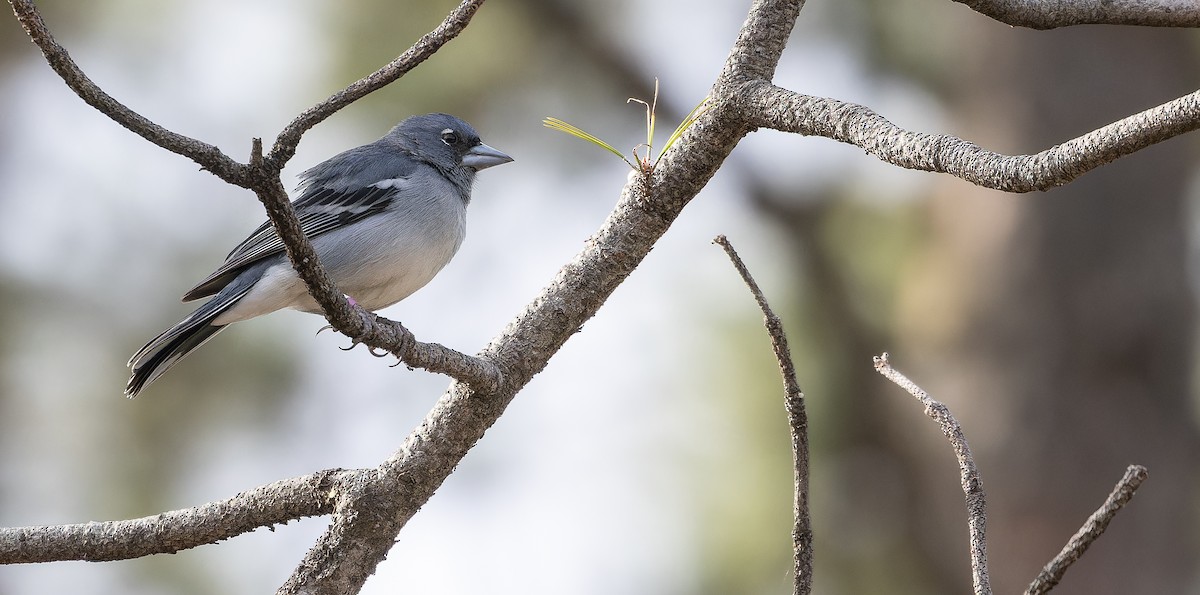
(482, 156)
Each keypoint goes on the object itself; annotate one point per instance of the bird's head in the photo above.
(446, 142)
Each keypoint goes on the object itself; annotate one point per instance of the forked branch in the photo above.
(976, 507)
(261, 174)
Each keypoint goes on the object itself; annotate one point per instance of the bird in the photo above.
(384, 218)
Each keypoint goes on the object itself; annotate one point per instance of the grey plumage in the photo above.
(384, 218)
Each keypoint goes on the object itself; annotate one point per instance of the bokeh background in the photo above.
(651, 457)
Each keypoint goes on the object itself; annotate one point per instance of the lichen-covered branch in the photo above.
(768, 106)
(370, 508)
(170, 532)
(1051, 14)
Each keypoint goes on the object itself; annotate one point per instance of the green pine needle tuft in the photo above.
(578, 132)
(639, 163)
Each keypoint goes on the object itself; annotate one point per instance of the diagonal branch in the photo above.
(1050, 14)
(1089, 532)
(769, 106)
(208, 156)
(972, 485)
(170, 532)
(802, 533)
(358, 540)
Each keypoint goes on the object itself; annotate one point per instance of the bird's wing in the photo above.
(319, 209)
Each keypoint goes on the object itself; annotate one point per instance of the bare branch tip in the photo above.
(881, 361)
(1139, 472)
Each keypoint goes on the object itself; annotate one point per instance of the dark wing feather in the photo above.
(319, 210)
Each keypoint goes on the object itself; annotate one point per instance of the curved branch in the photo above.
(768, 106)
(1051, 14)
(170, 532)
(426, 46)
(972, 485)
(208, 156)
(802, 533)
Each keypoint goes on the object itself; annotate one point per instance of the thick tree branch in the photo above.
(170, 532)
(357, 541)
(1089, 532)
(768, 106)
(802, 534)
(972, 485)
(1050, 14)
(369, 511)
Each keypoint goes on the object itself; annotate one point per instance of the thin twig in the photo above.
(426, 46)
(1091, 530)
(802, 536)
(972, 485)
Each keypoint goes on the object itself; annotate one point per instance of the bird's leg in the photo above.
(375, 351)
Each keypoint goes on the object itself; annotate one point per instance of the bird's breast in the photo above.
(385, 258)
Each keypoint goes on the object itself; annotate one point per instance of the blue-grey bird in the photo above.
(384, 218)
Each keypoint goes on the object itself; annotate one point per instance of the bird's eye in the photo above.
(449, 137)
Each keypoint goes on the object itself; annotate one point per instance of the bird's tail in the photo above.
(165, 350)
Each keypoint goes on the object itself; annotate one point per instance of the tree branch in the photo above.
(768, 106)
(170, 532)
(802, 534)
(972, 485)
(1050, 14)
(1091, 530)
(426, 46)
(262, 176)
(357, 541)
(209, 157)
(362, 326)
(371, 508)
